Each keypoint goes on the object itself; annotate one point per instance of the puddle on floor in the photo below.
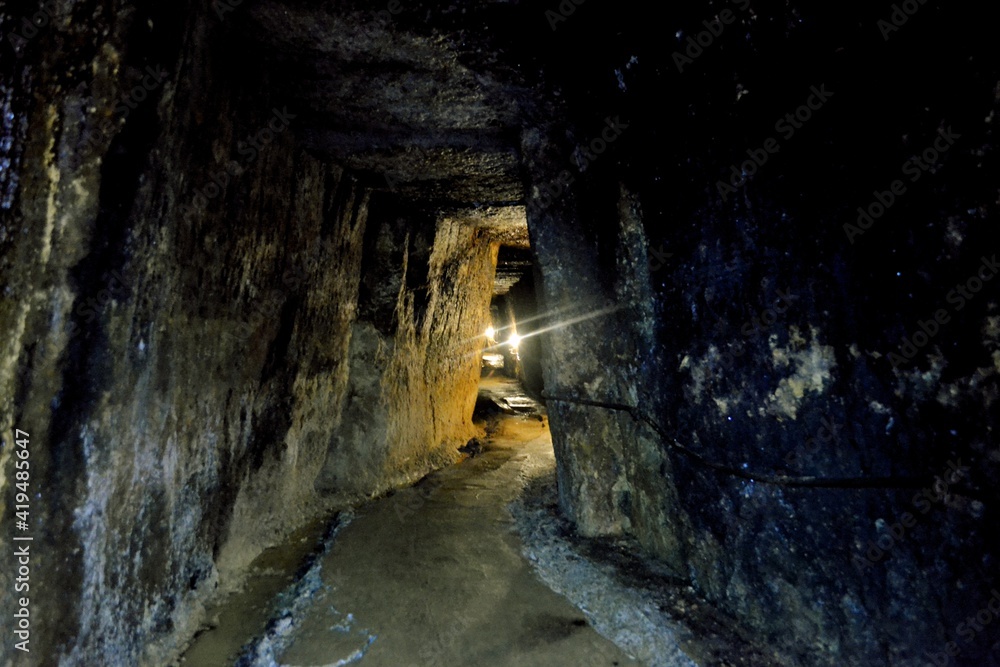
(433, 575)
(243, 614)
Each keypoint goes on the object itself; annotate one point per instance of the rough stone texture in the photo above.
(435, 368)
(590, 351)
(403, 93)
(749, 402)
(412, 393)
(182, 350)
(181, 406)
(177, 318)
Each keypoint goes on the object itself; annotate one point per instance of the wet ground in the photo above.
(472, 566)
(429, 575)
(433, 575)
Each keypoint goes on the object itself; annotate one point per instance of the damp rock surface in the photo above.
(247, 255)
(433, 575)
(182, 286)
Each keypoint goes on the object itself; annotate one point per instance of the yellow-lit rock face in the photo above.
(810, 368)
(183, 332)
(411, 390)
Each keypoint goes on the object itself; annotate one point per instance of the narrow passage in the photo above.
(433, 574)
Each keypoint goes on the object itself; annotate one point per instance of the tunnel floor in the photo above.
(434, 574)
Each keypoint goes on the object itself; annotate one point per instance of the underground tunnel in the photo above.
(499, 332)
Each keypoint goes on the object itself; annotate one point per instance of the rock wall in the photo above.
(776, 360)
(180, 327)
(415, 358)
(748, 424)
(590, 353)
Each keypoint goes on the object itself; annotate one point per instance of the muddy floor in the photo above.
(434, 575)
(472, 566)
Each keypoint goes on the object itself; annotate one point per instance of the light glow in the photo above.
(490, 332)
(514, 341)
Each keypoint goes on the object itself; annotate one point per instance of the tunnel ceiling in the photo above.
(399, 93)
(512, 265)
